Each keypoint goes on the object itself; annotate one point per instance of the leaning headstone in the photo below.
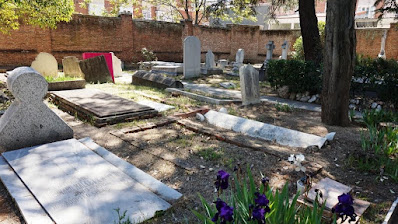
(270, 48)
(210, 60)
(28, 121)
(285, 49)
(249, 85)
(155, 80)
(71, 67)
(45, 64)
(117, 66)
(191, 57)
(95, 70)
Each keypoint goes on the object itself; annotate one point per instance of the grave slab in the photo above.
(330, 189)
(256, 129)
(155, 80)
(160, 107)
(171, 69)
(100, 107)
(75, 185)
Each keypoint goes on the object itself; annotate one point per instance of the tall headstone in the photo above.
(45, 64)
(95, 70)
(285, 49)
(117, 66)
(210, 60)
(270, 48)
(71, 67)
(191, 57)
(240, 55)
(382, 53)
(28, 121)
(249, 85)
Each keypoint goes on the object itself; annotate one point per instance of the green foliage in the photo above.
(122, 219)
(283, 209)
(44, 13)
(60, 79)
(298, 44)
(300, 76)
(380, 144)
(148, 55)
(284, 107)
(212, 154)
(379, 75)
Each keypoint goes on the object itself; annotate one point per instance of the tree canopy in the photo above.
(43, 13)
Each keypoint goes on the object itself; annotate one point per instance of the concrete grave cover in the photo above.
(28, 121)
(45, 64)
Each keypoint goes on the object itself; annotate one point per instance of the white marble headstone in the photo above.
(117, 65)
(45, 64)
(210, 60)
(240, 55)
(249, 85)
(285, 49)
(191, 57)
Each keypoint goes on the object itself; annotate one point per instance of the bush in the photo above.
(298, 44)
(299, 76)
(378, 75)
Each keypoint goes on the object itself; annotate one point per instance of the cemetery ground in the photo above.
(187, 154)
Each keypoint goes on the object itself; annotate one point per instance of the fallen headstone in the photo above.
(249, 85)
(256, 129)
(45, 64)
(71, 67)
(95, 70)
(28, 121)
(191, 57)
(155, 80)
(160, 107)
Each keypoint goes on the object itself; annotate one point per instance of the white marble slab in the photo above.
(160, 107)
(256, 129)
(75, 185)
(30, 209)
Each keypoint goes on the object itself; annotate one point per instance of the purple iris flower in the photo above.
(261, 199)
(346, 199)
(344, 207)
(222, 180)
(259, 215)
(225, 212)
(265, 180)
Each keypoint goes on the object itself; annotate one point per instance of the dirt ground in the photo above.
(188, 161)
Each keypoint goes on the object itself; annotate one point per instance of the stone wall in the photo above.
(126, 37)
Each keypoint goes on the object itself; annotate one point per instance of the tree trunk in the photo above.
(339, 61)
(309, 31)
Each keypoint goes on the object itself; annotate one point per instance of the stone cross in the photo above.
(240, 55)
(249, 85)
(191, 66)
(210, 60)
(270, 48)
(382, 53)
(285, 49)
(28, 121)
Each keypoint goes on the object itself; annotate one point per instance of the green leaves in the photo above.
(44, 13)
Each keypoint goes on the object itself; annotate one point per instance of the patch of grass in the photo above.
(284, 107)
(375, 213)
(183, 141)
(211, 154)
(60, 79)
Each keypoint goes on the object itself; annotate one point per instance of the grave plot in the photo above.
(99, 107)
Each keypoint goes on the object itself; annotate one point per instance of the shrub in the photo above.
(299, 76)
(298, 44)
(148, 55)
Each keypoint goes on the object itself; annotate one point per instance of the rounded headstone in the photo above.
(27, 85)
(45, 64)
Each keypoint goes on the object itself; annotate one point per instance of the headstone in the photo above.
(285, 49)
(71, 67)
(240, 55)
(28, 121)
(108, 58)
(76, 185)
(222, 63)
(249, 85)
(270, 48)
(382, 53)
(210, 60)
(155, 80)
(191, 57)
(117, 66)
(95, 70)
(45, 64)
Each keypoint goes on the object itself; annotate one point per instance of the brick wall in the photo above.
(126, 37)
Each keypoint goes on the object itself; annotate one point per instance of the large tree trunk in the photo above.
(309, 31)
(339, 61)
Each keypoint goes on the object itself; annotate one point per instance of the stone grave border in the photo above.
(67, 85)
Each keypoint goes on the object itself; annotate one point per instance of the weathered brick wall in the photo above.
(126, 37)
